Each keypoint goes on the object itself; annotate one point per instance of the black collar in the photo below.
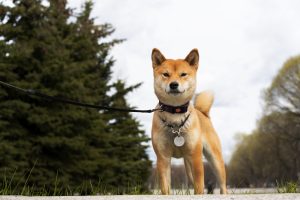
(174, 109)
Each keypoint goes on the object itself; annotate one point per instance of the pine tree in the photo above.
(127, 148)
(56, 144)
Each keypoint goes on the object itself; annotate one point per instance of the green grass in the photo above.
(84, 189)
(11, 186)
(288, 187)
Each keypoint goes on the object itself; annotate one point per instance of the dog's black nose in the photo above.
(174, 85)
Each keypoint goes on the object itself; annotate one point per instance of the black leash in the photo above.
(31, 92)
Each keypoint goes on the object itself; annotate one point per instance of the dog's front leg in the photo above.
(164, 172)
(198, 171)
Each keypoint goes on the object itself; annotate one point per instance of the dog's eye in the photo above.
(183, 74)
(166, 74)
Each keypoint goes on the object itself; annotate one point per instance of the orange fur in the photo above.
(198, 132)
(204, 101)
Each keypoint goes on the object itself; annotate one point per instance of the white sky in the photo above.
(242, 44)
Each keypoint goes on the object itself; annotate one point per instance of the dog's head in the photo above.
(175, 80)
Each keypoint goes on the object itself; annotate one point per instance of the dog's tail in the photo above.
(203, 101)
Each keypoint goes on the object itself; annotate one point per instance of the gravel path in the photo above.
(160, 197)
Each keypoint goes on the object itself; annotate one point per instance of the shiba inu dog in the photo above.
(182, 129)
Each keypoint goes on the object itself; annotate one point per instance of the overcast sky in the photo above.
(242, 45)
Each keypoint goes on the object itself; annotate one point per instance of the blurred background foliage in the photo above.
(270, 154)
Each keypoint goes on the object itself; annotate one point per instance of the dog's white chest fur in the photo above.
(165, 137)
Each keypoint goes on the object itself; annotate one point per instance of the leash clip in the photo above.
(176, 131)
(161, 109)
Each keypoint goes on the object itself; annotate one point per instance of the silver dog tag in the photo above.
(179, 141)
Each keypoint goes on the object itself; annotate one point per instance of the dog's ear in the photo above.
(157, 58)
(193, 58)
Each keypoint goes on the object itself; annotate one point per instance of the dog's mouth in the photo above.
(175, 92)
